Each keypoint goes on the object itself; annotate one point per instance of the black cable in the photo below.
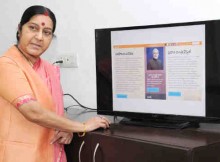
(82, 111)
(66, 108)
(87, 108)
(72, 106)
(58, 62)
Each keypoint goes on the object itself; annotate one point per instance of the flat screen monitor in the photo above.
(163, 71)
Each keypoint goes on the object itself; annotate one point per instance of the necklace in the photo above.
(24, 55)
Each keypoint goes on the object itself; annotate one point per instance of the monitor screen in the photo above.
(159, 70)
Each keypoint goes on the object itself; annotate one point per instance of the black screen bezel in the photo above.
(212, 74)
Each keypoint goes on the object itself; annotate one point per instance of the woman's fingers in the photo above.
(65, 140)
(62, 137)
(105, 121)
(55, 138)
(97, 122)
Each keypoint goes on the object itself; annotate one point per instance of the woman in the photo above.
(32, 125)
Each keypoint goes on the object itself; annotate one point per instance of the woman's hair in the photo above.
(35, 10)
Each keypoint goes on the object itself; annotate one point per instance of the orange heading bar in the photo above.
(158, 45)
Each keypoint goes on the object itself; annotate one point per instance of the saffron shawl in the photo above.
(20, 139)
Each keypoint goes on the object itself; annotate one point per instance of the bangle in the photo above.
(84, 132)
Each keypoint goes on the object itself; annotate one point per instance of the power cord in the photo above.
(58, 62)
(66, 108)
(86, 108)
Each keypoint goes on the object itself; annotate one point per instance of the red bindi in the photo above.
(42, 23)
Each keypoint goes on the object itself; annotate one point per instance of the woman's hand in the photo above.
(62, 137)
(97, 122)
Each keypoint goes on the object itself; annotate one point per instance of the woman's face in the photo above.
(36, 35)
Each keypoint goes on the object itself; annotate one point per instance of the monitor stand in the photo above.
(160, 123)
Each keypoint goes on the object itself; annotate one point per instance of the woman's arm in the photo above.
(33, 112)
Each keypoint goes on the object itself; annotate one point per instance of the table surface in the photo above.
(187, 138)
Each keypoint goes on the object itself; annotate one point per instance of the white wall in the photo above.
(77, 19)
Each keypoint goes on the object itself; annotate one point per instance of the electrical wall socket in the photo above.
(69, 61)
